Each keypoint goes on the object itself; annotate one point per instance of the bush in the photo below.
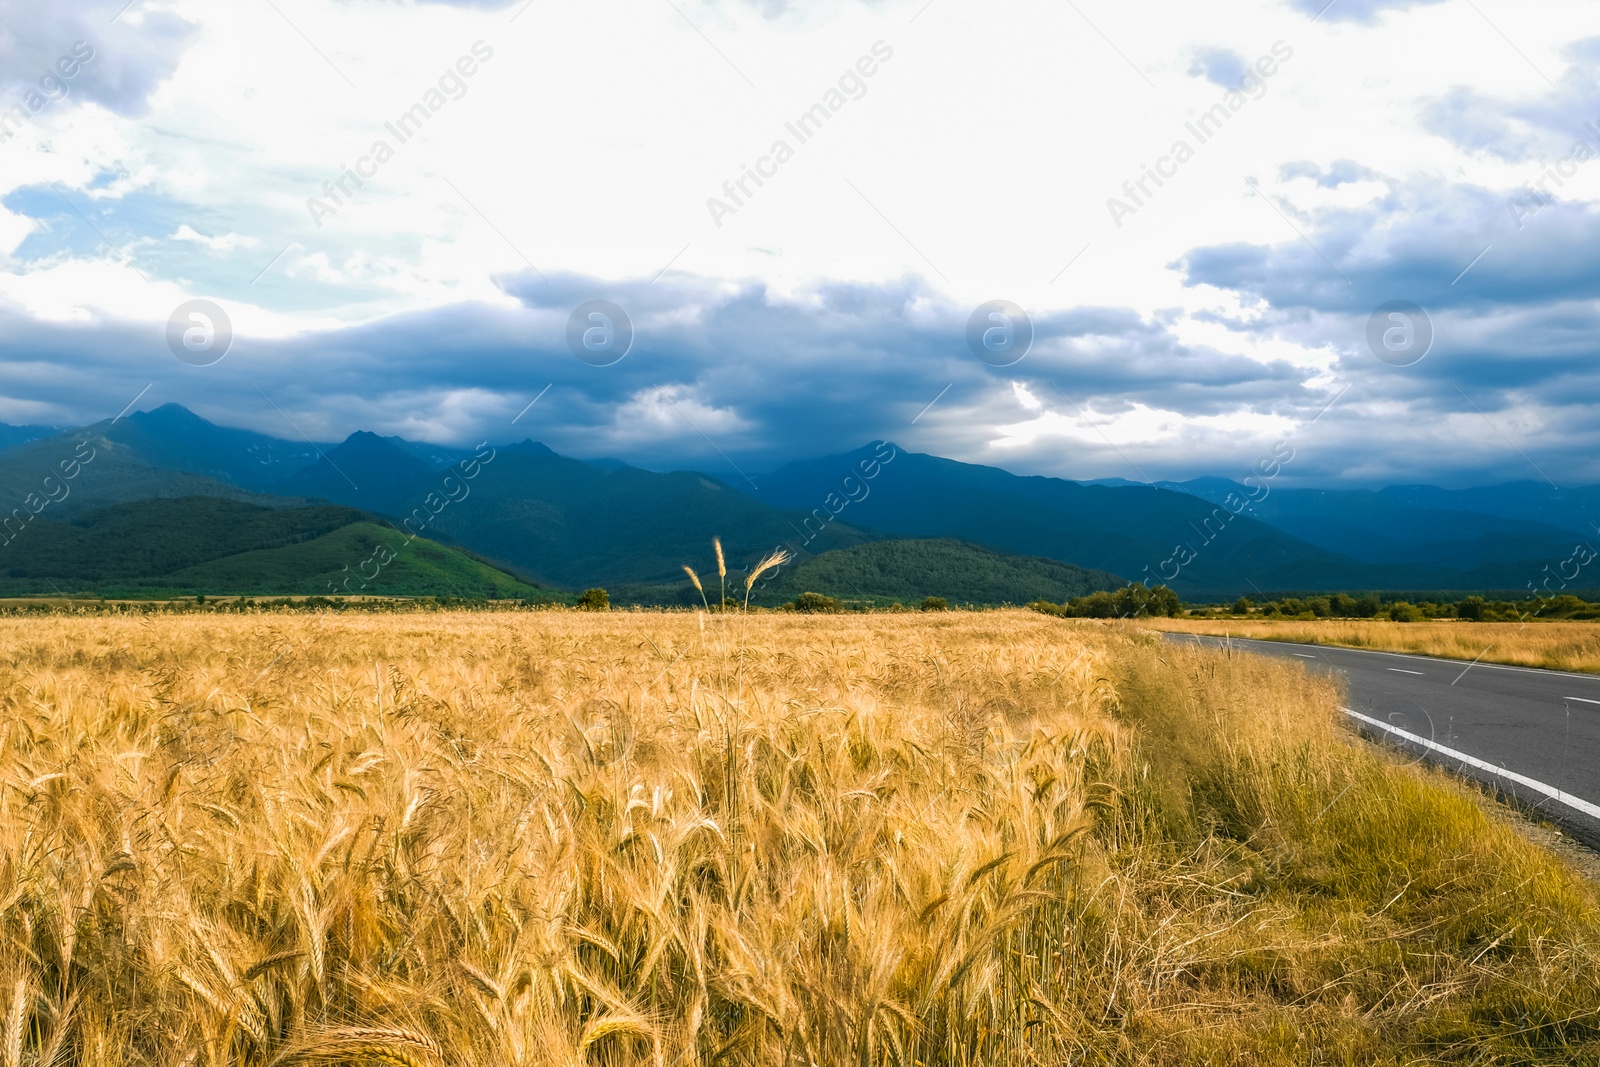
(935, 603)
(1097, 605)
(595, 600)
(1163, 601)
(1403, 611)
(1134, 600)
(813, 603)
(1242, 606)
(1044, 607)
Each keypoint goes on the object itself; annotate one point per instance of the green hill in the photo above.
(215, 546)
(961, 573)
(349, 561)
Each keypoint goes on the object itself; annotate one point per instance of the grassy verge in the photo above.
(955, 839)
(1556, 645)
(1359, 911)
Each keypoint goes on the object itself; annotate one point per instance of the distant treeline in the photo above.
(1127, 602)
(258, 605)
(1376, 606)
(1135, 600)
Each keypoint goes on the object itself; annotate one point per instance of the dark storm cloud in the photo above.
(1516, 351)
(713, 367)
(1414, 243)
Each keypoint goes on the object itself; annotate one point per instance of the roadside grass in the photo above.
(1553, 645)
(626, 839)
(1389, 914)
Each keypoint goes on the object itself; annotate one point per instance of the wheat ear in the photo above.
(695, 578)
(772, 562)
(722, 573)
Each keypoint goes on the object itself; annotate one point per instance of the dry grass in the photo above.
(573, 838)
(1564, 646)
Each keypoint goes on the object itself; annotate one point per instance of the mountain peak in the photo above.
(367, 439)
(529, 447)
(171, 414)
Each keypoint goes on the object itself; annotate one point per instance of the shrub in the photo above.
(1242, 606)
(594, 600)
(1403, 611)
(815, 602)
(935, 603)
(1097, 605)
(1044, 607)
(1163, 601)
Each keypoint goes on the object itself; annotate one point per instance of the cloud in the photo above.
(1416, 243)
(770, 9)
(1340, 172)
(226, 242)
(1220, 67)
(715, 369)
(1525, 128)
(737, 378)
(1355, 10)
(1513, 315)
(1187, 337)
(117, 59)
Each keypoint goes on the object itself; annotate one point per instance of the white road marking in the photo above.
(1401, 670)
(1586, 700)
(1576, 803)
(1302, 655)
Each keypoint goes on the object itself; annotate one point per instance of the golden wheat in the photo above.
(669, 839)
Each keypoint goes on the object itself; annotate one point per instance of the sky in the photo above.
(1365, 229)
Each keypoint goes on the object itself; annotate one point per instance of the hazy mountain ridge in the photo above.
(572, 523)
(1129, 530)
(1458, 529)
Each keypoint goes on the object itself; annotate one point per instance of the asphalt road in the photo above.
(1530, 733)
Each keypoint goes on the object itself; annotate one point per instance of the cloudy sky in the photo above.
(1368, 229)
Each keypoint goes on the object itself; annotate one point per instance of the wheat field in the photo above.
(1554, 645)
(564, 838)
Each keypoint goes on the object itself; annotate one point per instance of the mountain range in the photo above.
(165, 500)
